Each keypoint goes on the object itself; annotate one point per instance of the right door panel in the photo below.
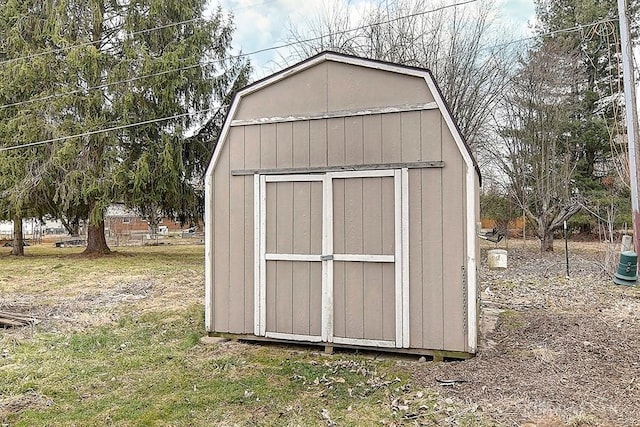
(364, 285)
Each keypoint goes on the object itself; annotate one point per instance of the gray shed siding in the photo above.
(437, 206)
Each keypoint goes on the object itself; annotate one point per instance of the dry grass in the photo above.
(118, 343)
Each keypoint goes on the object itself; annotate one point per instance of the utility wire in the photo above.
(570, 29)
(239, 56)
(146, 30)
(111, 129)
(281, 46)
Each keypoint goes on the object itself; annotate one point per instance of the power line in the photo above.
(554, 32)
(146, 30)
(99, 131)
(570, 29)
(281, 46)
(239, 56)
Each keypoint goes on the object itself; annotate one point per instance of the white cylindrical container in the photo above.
(627, 243)
(497, 258)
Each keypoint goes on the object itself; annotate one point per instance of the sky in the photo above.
(261, 24)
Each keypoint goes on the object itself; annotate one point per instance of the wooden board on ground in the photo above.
(10, 319)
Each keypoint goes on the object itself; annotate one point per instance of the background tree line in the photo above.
(543, 116)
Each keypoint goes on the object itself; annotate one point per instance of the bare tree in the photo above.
(537, 157)
(461, 45)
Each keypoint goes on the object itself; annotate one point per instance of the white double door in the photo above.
(332, 257)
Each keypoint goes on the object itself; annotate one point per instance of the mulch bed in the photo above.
(563, 351)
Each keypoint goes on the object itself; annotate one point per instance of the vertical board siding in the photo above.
(294, 288)
(252, 147)
(301, 144)
(432, 258)
(391, 137)
(268, 146)
(410, 139)
(372, 209)
(284, 297)
(431, 135)
(353, 215)
(271, 216)
(249, 261)
(417, 282)
(389, 298)
(318, 149)
(221, 259)
(315, 298)
(336, 153)
(430, 215)
(236, 297)
(374, 307)
(284, 217)
(316, 218)
(388, 217)
(453, 224)
(339, 221)
(271, 296)
(354, 299)
(364, 220)
(284, 145)
(302, 217)
(354, 146)
(372, 139)
(364, 292)
(339, 300)
(300, 298)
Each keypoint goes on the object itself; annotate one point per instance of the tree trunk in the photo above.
(546, 241)
(18, 238)
(96, 241)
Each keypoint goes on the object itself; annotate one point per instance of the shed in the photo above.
(341, 210)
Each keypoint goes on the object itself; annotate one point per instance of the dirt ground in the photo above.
(562, 351)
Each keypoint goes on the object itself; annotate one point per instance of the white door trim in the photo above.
(400, 257)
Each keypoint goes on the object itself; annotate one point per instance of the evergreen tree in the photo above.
(121, 64)
(24, 74)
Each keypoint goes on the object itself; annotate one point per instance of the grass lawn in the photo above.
(118, 343)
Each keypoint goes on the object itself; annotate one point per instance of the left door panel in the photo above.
(292, 257)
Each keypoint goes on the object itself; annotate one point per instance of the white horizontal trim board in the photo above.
(293, 178)
(292, 257)
(341, 168)
(337, 114)
(335, 257)
(364, 258)
(399, 258)
(293, 337)
(362, 174)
